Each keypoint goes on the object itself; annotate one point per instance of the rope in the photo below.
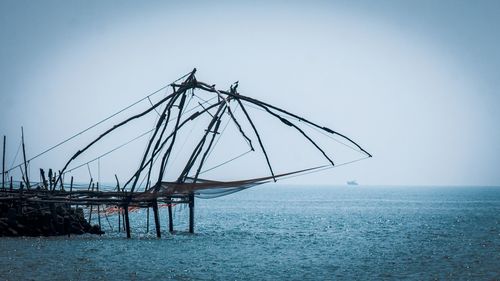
(192, 127)
(223, 163)
(100, 122)
(112, 150)
(124, 144)
(88, 168)
(150, 102)
(218, 138)
(15, 157)
(309, 125)
(91, 127)
(322, 168)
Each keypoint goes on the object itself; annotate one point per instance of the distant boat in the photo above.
(352, 183)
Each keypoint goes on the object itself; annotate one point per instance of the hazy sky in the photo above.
(414, 82)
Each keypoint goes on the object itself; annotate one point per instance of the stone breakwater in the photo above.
(43, 219)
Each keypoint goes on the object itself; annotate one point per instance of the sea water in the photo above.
(274, 232)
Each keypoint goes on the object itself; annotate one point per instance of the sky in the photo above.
(415, 83)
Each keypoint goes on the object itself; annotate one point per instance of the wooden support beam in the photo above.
(123, 220)
(165, 141)
(162, 118)
(170, 215)
(198, 149)
(119, 218)
(157, 219)
(62, 183)
(147, 219)
(127, 221)
(50, 179)
(191, 212)
(44, 180)
(90, 213)
(98, 211)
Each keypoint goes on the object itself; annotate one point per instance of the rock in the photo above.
(38, 219)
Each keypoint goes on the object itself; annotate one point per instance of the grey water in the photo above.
(274, 232)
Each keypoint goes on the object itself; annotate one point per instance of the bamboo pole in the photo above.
(98, 211)
(24, 157)
(119, 218)
(127, 221)
(191, 212)
(62, 182)
(170, 216)
(50, 179)
(157, 219)
(147, 219)
(90, 212)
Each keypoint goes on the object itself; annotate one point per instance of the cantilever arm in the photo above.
(239, 128)
(258, 137)
(288, 123)
(206, 87)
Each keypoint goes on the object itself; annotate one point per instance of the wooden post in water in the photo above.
(98, 210)
(123, 220)
(191, 212)
(157, 219)
(170, 216)
(3, 163)
(119, 216)
(90, 213)
(147, 219)
(118, 206)
(127, 222)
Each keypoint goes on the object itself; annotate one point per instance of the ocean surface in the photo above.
(275, 232)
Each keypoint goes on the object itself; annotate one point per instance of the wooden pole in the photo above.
(62, 182)
(119, 207)
(91, 206)
(25, 163)
(127, 222)
(44, 180)
(11, 185)
(123, 220)
(191, 212)
(98, 210)
(157, 219)
(170, 215)
(119, 218)
(147, 219)
(50, 179)
(3, 163)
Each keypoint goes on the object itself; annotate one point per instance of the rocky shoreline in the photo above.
(43, 219)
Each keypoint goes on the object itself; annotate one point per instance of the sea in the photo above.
(279, 232)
